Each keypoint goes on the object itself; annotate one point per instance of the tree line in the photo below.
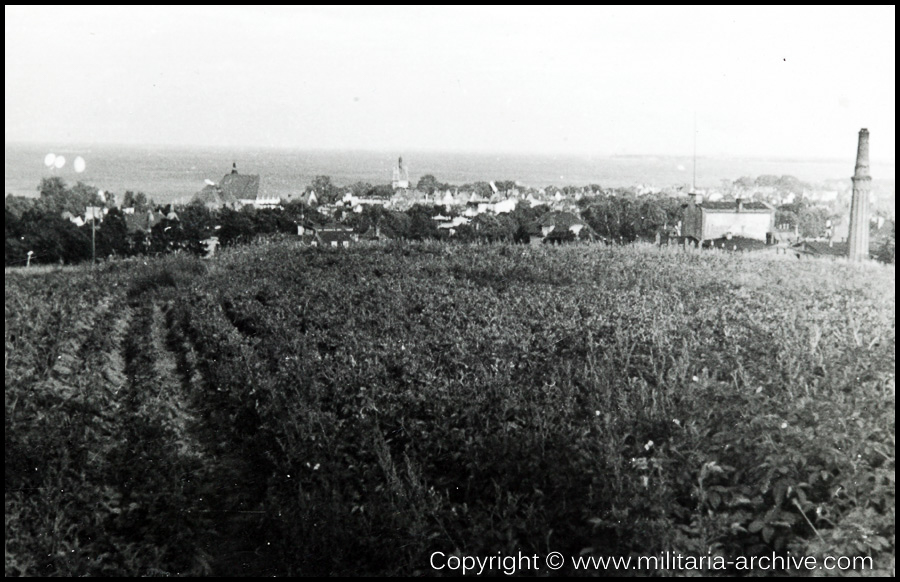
(41, 225)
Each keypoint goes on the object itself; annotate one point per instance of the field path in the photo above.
(229, 486)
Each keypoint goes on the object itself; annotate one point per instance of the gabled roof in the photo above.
(239, 186)
(373, 234)
(212, 195)
(339, 236)
(560, 219)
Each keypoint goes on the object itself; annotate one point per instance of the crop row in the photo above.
(298, 411)
(59, 422)
(626, 402)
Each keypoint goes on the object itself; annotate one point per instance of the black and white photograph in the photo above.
(430, 291)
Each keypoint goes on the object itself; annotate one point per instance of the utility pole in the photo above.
(694, 178)
(93, 238)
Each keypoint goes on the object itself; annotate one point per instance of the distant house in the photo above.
(374, 234)
(307, 235)
(532, 234)
(261, 202)
(505, 206)
(811, 248)
(711, 220)
(95, 213)
(76, 220)
(240, 186)
(141, 221)
(233, 190)
(556, 221)
(335, 235)
(737, 244)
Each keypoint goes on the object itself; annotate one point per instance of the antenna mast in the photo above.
(694, 178)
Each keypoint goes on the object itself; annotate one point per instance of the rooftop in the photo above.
(724, 205)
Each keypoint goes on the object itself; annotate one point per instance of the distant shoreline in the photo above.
(72, 147)
(170, 174)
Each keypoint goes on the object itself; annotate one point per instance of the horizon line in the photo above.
(454, 151)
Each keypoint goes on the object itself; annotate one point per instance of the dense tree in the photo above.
(15, 245)
(428, 184)
(813, 221)
(422, 225)
(52, 239)
(112, 235)
(136, 200)
(394, 224)
(360, 189)
(383, 191)
(885, 251)
(236, 227)
(626, 217)
(326, 191)
(505, 185)
(786, 217)
(480, 189)
(17, 205)
(298, 212)
(165, 236)
(52, 188)
(524, 216)
(56, 198)
(494, 228)
(197, 223)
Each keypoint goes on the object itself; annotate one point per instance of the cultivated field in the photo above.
(298, 411)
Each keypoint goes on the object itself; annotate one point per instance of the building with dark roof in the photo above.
(373, 233)
(233, 190)
(141, 221)
(813, 248)
(736, 244)
(335, 238)
(740, 218)
(563, 226)
(212, 197)
(335, 235)
(240, 186)
(560, 221)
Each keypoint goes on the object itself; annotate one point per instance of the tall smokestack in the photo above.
(859, 207)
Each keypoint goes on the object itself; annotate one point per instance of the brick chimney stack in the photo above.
(859, 206)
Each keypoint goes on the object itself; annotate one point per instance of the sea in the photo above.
(174, 174)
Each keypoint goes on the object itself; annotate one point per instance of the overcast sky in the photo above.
(796, 82)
